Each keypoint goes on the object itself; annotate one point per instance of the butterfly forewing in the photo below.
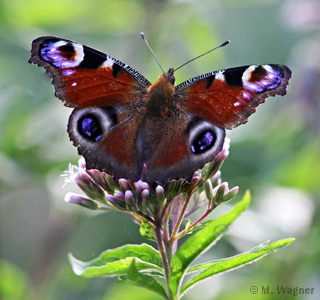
(228, 97)
(85, 77)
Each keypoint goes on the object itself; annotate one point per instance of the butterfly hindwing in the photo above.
(107, 138)
(228, 97)
(85, 77)
(183, 145)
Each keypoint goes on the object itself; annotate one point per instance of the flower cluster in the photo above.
(149, 200)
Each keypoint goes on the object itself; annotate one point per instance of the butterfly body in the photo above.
(159, 98)
(129, 128)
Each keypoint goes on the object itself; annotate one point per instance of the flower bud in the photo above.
(208, 190)
(144, 204)
(145, 195)
(119, 195)
(219, 196)
(213, 167)
(160, 192)
(140, 186)
(128, 196)
(130, 201)
(100, 179)
(145, 185)
(124, 185)
(92, 190)
(197, 173)
(116, 202)
(230, 194)
(195, 179)
(80, 200)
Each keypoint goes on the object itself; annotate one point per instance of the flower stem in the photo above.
(163, 254)
(181, 216)
(208, 211)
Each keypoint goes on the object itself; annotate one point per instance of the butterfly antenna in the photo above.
(189, 61)
(145, 40)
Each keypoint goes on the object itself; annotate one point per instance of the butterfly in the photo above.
(129, 128)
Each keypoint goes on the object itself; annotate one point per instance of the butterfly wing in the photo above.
(107, 139)
(228, 97)
(178, 147)
(110, 124)
(85, 77)
(205, 106)
(108, 99)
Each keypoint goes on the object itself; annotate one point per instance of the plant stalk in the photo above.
(181, 216)
(163, 254)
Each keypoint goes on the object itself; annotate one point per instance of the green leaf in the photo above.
(193, 229)
(227, 264)
(117, 261)
(200, 267)
(210, 264)
(200, 242)
(255, 250)
(145, 281)
(144, 252)
(146, 230)
(187, 225)
(119, 267)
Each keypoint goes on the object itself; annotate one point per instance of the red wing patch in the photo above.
(181, 146)
(120, 143)
(84, 77)
(172, 149)
(227, 98)
(165, 149)
(80, 87)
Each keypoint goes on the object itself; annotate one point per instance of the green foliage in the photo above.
(146, 281)
(141, 264)
(201, 242)
(147, 231)
(117, 261)
(232, 263)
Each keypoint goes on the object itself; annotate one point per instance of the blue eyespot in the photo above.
(204, 141)
(62, 54)
(90, 128)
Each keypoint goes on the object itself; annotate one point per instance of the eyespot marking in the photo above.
(259, 78)
(204, 141)
(90, 128)
(62, 54)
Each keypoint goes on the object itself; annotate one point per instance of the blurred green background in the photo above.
(276, 155)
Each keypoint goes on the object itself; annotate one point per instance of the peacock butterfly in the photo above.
(129, 128)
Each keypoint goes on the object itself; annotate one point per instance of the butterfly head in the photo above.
(170, 76)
